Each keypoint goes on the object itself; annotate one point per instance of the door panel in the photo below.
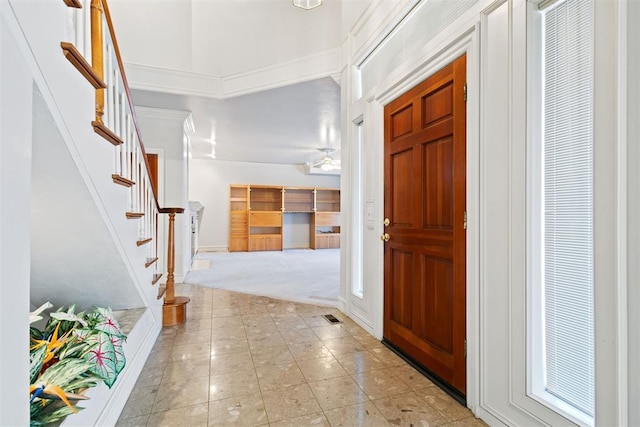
(425, 193)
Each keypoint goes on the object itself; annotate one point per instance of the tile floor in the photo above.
(246, 360)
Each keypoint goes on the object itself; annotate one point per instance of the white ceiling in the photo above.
(222, 38)
(287, 125)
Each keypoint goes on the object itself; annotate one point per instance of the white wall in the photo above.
(209, 184)
(15, 178)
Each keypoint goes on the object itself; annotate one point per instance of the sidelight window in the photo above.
(561, 326)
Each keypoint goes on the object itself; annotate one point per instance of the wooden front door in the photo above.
(424, 256)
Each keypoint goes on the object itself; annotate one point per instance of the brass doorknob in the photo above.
(385, 237)
(386, 222)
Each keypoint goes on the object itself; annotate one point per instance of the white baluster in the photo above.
(116, 102)
(86, 33)
(69, 26)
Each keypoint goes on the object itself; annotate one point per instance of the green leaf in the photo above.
(103, 358)
(121, 361)
(107, 322)
(36, 358)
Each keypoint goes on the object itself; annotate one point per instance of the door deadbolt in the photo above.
(386, 222)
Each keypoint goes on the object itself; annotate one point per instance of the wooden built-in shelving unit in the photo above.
(256, 216)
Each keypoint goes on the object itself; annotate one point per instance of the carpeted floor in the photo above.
(301, 275)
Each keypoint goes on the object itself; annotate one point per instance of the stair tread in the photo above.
(102, 130)
(80, 63)
(143, 241)
(156, 277)
(73, 3)
(117, 179)
(132, 215)
(161, 290)
(150, 262)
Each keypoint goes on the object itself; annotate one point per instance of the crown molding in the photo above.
(157, 79)
(163, 113)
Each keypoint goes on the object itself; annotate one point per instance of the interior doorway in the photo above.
(425, 218)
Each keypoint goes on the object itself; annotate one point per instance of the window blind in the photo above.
(568, 203)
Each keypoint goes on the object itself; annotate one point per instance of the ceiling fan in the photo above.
(327, 162)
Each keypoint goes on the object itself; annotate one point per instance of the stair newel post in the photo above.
(97, 59)
(174, 309)
(170, 297)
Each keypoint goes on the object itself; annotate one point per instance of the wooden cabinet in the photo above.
(325, 230)
(256, 214)
(265, 242)
(238, 218)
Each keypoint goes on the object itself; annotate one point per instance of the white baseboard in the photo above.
(105, 405)
(213, 249)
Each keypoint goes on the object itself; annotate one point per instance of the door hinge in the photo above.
(464, 223)
(464, 90)
(465, 348)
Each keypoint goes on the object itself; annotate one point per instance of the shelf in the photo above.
(256, 217)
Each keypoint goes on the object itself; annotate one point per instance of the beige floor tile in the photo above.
(253, 309)
(414, 379)
(226, 312)
(350, 326)
(200, 313)
(450, 408)
(191, 416)
(221, 323)
(360, 361)
(264, 357)
(268, 356)
(269, 339)
(330, 332)
(246, 410)
(386, 356)
(140, 421)
(278, 376)
(316, 321)
(232, 331)
(380, 383)
(233, 384)
(361, 414)
(409, 409)
(290, 402)
(150, 375)
(343, 345)
(467, 422)
(140, 402)
(258, 320)
(285, 322)
(297, 336)
(231, 362)
(309, 350)
(367, 341)
(254, 332)
(321, 369)
(337, 392)
(192, 337)
(228, 345)
(180, 394)
(186, 370)
(313, 420)
(190, 351)
(194, 325)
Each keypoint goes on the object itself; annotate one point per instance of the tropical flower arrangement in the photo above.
(74, 352)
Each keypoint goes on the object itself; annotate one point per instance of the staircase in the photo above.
(94, 215)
